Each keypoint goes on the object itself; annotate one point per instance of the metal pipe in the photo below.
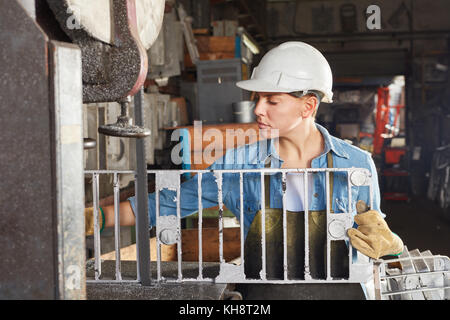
(142, 218)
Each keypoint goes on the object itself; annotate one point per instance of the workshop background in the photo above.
(391, 98)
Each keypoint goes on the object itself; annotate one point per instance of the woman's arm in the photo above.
(127, 217)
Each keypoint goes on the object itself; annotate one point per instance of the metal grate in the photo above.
(414, 275)
(360, 268)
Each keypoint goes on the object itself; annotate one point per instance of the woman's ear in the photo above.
(310, 104)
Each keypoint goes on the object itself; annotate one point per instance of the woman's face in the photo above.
(277, 114)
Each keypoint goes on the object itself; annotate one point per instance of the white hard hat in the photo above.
(291, 67)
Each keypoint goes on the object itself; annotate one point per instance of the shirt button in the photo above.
(316, 194)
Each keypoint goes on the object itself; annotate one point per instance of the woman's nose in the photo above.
(259, 109)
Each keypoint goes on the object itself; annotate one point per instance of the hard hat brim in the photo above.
(258, 85)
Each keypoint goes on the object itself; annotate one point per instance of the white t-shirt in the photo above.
(295, 190)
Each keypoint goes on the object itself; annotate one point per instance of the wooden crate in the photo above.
(231, 248)
(198, 147)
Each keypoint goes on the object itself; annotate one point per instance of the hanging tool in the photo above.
(112, 72)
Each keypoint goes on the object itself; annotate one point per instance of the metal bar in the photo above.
(350, 253)
(371, 195)
(158, 240)
(327, 186)
(241, 218)
(377, 281)
(306, 210)
(142, 218)
(265, 170)
(117, 225)
(414, 291)
(411, 258)
(280, 281)
(112, 281)
(200, 227)
(109, 171)
(263, 227)
(97, 249)
(219, 182)
(285, 261)
(415, 274)
(180, 257)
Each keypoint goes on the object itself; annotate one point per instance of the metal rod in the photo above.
(327, 186)
(412, 258)
(350, 250)
(414, 290)
(117, 225)
(220, 218)
(97, 248)
(371, 195)
(306, 210)
(415, 274)
(265, 170)
(142, 218)
(158, 240)
(285, 258)
(111, 281)
(180, 257)
(241, 218)
(263, 227)
(200, 227)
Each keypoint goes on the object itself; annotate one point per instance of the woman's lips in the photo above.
(263, 125)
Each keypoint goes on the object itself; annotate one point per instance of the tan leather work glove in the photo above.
(89, 220)
(373, 236)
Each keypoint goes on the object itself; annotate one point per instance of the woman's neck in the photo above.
(298, 148)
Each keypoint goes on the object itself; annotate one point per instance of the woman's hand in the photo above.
(373, 236)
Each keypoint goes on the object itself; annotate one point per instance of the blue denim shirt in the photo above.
(254, 156)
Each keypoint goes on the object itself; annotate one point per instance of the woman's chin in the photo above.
(269, 133)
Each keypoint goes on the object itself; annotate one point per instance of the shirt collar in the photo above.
(331, 144)
(268, 152)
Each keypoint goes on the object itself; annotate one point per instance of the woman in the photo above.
(290, 82)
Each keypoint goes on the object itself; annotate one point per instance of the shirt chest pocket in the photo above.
(341, 201)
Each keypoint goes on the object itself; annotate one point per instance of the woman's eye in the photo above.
(272, 103)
